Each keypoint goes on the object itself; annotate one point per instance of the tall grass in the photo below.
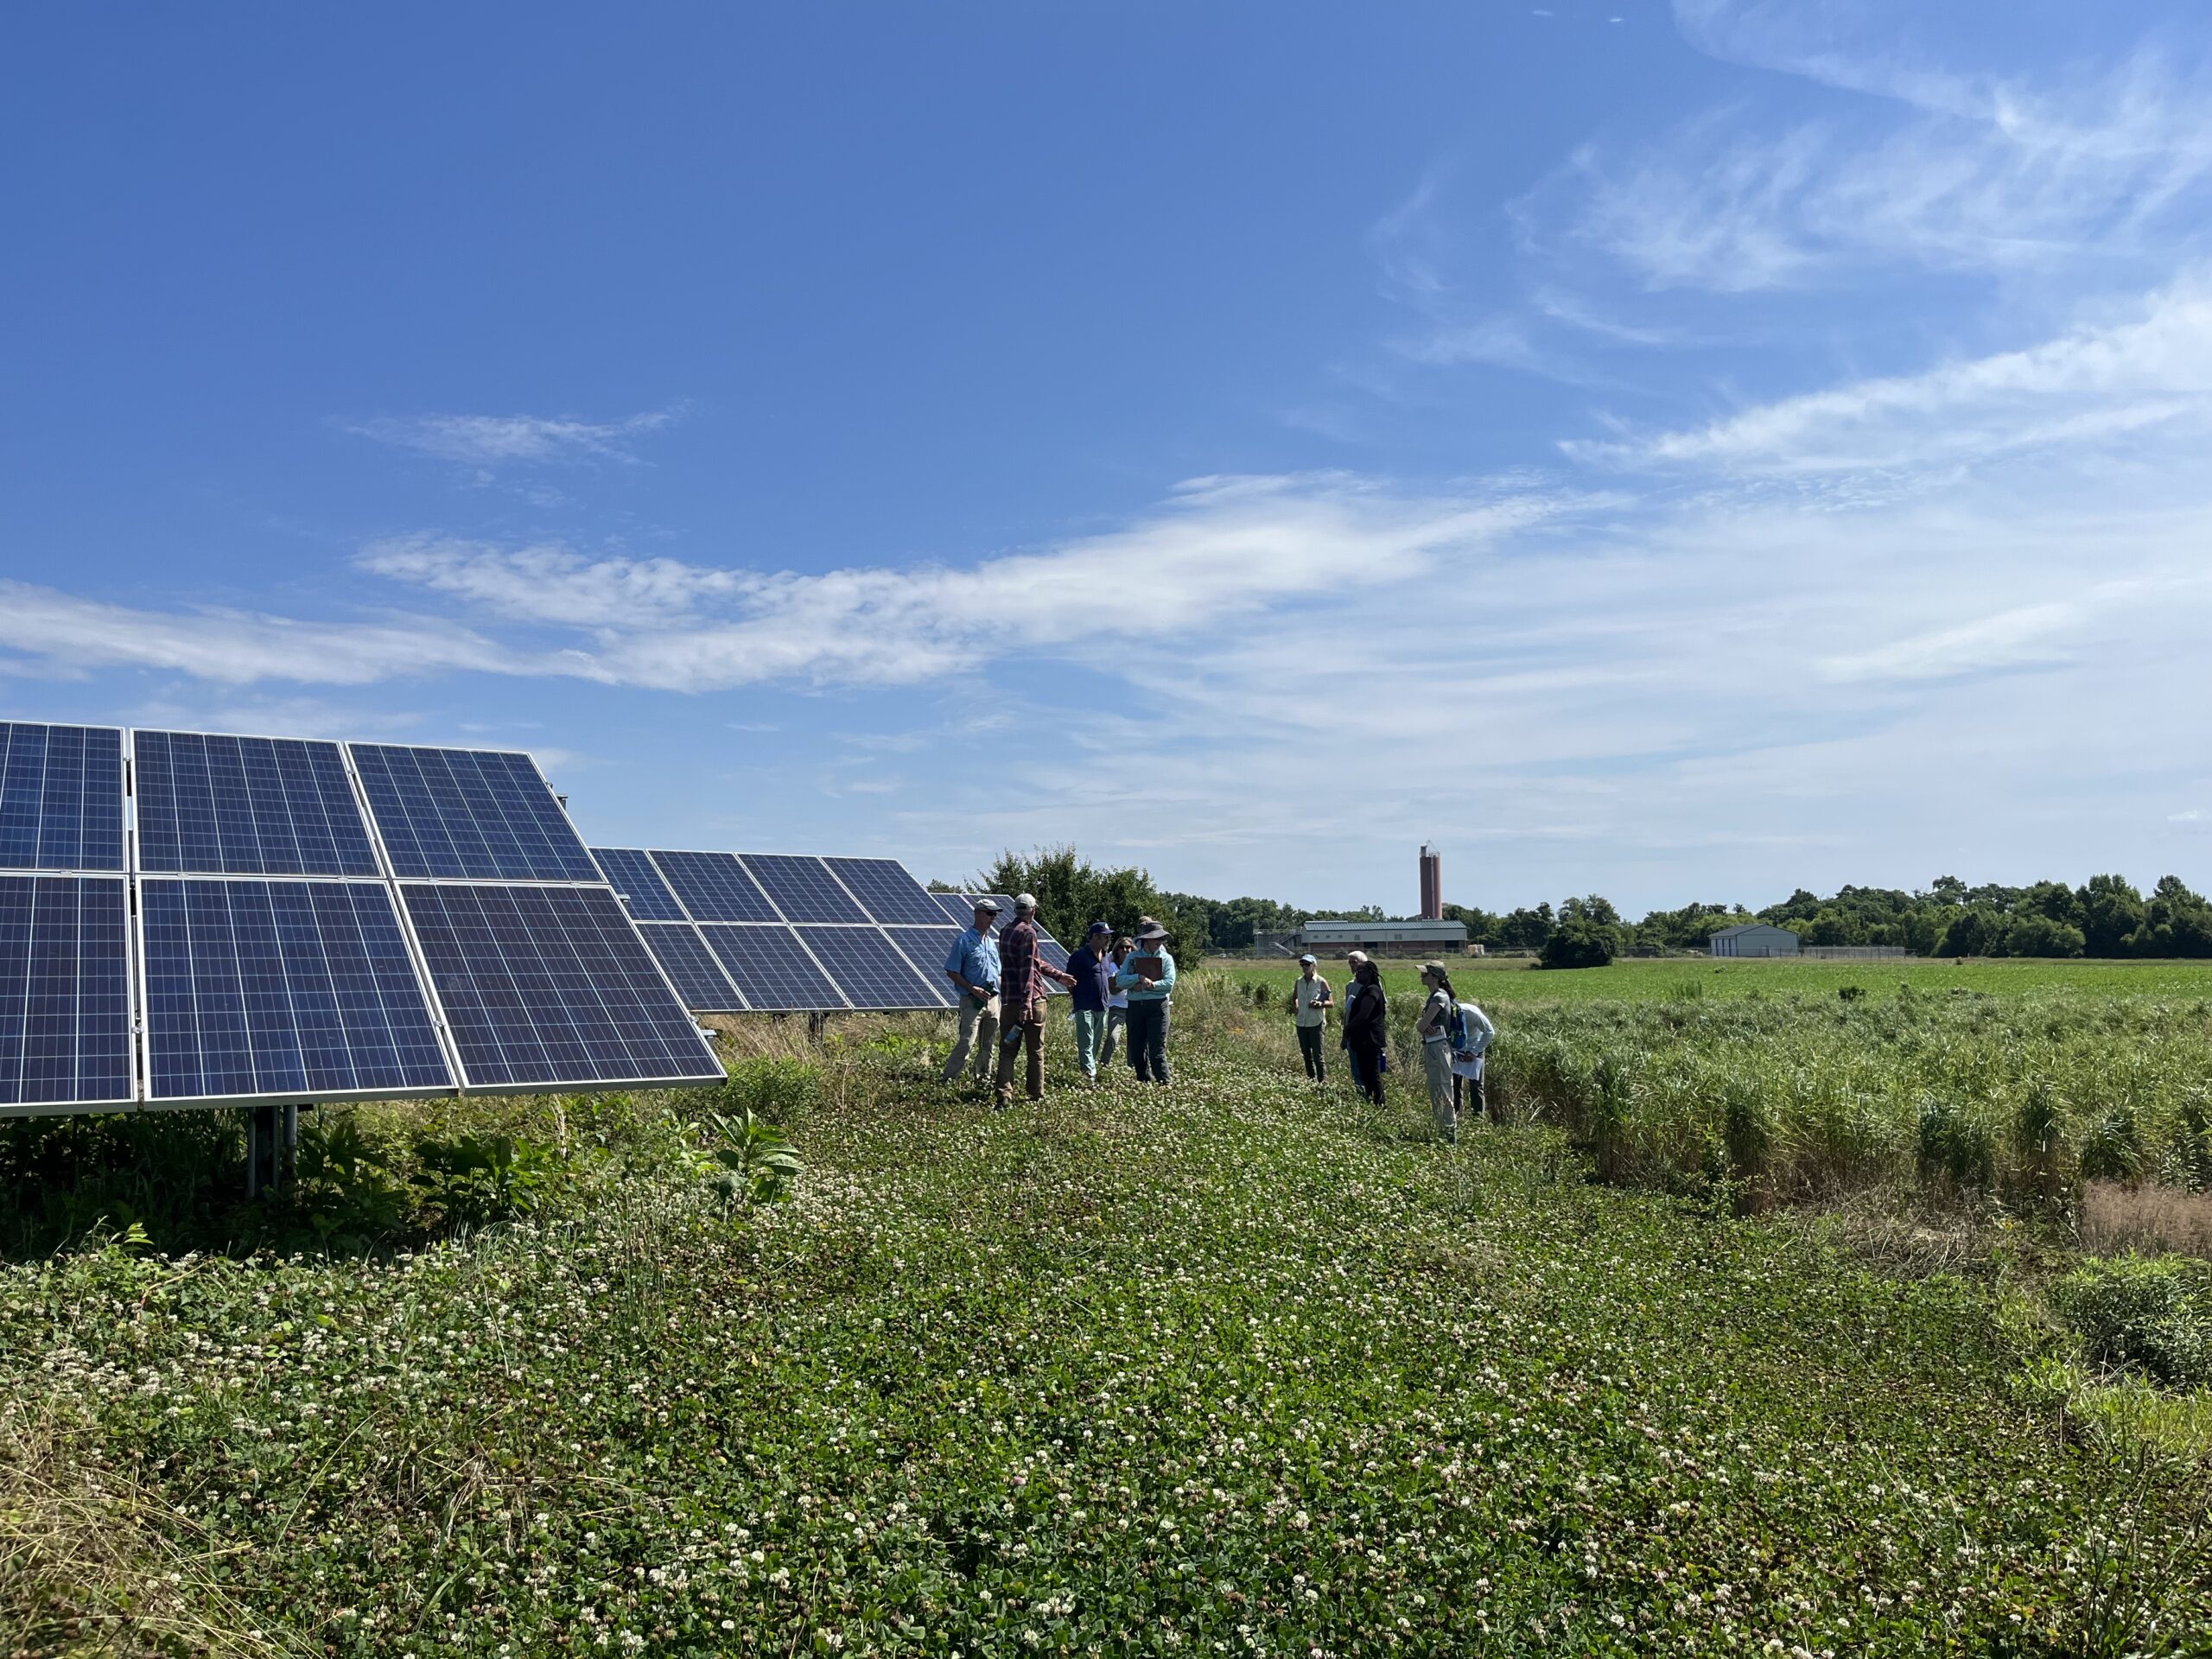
(1802, 1097)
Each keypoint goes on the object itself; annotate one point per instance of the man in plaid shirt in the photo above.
(1022, 974)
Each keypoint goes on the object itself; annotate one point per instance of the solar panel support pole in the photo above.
(272, 1148)
(817, 1027)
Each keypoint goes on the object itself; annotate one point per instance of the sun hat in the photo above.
(991, 904)
(1309, 956)
(1436, 967)
(1156, 931)
(1025, 901)
(1097, 928)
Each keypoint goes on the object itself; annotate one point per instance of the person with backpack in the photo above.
(1471, 1042)
(1367, 1029)
(1440, 1026)
(1310, 1002)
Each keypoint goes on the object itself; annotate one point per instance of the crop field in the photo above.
(1513, 979)
(1244, 1366)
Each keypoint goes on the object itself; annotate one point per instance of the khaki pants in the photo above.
(1436, 1060)
(1030, 1030)
(979, 1035)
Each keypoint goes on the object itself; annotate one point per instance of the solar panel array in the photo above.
(298, 920)
(788, 933)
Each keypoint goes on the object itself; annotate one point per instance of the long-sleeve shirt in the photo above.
(1018, 961)
(1366, 1013)
(1093, 974)
(1141, 989)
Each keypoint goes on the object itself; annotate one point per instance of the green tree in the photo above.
(1071, 892)
(1579, 942)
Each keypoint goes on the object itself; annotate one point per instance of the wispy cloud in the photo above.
(64, 636)
(492, 441)
(2092, 383)
(1219, 551)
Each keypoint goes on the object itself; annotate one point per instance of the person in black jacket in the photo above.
(1366, 1026)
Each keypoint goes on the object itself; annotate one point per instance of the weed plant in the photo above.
(1243, 1365)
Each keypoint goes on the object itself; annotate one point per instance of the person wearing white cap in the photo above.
(1310, 1002)
(1022, 975)
(973, 967)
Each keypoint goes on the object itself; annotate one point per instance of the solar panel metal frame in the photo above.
(944, 1000)
(843, 1006)
(132, 1002)
(714, 1070)
(391, 866)
(122, 864)
(143, 1040)
(121, 872)
(599, 855)
(737, 1004)
(137, 853)
(398, 883)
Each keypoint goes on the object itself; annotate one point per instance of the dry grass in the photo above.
(2148, 1218)
(85, 1572)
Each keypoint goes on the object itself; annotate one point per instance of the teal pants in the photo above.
(1090, 1031)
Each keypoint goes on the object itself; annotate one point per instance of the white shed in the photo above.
(1755, 939)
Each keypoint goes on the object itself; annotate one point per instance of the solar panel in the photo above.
(287, 989)
(469, 813)
(544, 987)
(771, 968)
(872, 972)
(957, 907)
(632, 872)
(691, 968)
(219, 805)
(803, 888)
(61, 796)
(715, 887)
(65, 992)
(885, 891)
(928, 949)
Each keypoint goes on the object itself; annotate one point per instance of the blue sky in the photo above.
(1678, 453)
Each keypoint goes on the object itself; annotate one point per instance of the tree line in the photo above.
(2107, 916)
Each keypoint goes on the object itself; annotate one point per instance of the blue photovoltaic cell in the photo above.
(61, 796)
(803, 888)
(698, 976)
(928, 949)
(632, 873)
(957, 907)
(219, 805)
(771, 968)
(872, 972)
(469, 813)
(65, 991)
(887, 891)
(715, 887)
(293, 989)
(552, 986)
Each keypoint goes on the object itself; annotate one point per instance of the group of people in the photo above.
(1122, 986)
(1454, 1035)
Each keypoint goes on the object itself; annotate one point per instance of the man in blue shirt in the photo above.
(972, 965)
(1148, 975)
(1093, 982)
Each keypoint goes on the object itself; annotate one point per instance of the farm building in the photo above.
(1428, 938)
(1755, 939)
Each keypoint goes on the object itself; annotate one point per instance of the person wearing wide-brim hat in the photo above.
(1148, 976)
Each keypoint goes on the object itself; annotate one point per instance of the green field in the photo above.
(1241, 1367)
(1630, 979)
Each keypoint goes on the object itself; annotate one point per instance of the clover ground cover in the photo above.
(1240, 1368)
